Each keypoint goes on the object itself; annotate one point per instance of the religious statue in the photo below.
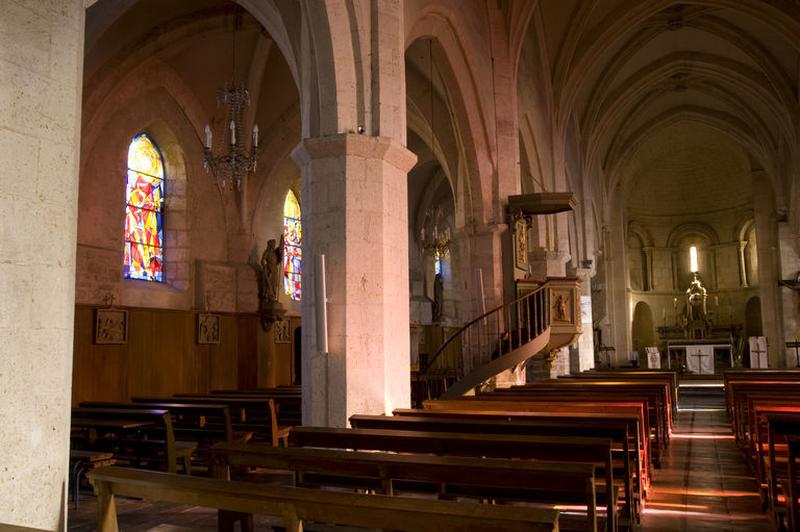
(696, 317)
(270, 270)
(269, 274)
(561, 308)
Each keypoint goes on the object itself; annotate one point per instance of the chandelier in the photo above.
(435, 234)
(232, 166)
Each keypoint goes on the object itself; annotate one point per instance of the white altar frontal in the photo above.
(700, 359)
(699, 356)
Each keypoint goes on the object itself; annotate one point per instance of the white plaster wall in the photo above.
(41, 60)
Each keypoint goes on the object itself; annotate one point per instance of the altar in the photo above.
(699, 356)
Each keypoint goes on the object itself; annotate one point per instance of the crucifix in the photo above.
(758, 352)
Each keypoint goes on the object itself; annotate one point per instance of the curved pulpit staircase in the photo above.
(543, 320)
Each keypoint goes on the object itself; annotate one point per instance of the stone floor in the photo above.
(704, 484)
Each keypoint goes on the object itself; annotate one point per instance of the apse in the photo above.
(691, 251)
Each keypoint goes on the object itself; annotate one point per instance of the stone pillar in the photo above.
(790, 266)
(743, 282)
(768, 267)
(40, 101)
(648, 268)
(355, 212)
(584, 351)
(617, 282)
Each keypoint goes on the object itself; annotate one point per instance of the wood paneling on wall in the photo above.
(162, 356)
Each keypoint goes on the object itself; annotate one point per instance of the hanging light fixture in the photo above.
(435, 234)
(232, 166)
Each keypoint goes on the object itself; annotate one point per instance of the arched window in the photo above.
(144, 211)
(292, 254)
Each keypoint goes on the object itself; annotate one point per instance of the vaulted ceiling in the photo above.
(622, 70)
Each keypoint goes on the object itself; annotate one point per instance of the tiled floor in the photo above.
(704, 483)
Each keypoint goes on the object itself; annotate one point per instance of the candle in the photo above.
(255, 136)
(233, 133)
(208, 136)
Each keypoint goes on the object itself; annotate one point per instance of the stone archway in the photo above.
(643, 330)
(752, 317)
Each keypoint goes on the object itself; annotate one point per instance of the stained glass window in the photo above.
(292, 254)
(144, 210)
(438, 261)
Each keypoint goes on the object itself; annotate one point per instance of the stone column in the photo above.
(584, 351)
(40, 100)
(355, 212)
(617, 282)
(648, 268)
(743, 282)
(768, 267)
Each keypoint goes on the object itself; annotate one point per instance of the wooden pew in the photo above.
(740, 390)
(657, 394)
(488, 478)
(616, 431)
(590, 450)
(668, 377)
(732, 376)
(783, 426)
(755, 444)
(123, 421)
(296, 505)
(288, 402)
(557, 418)
(490, 403)
(188, 419)
(255, 414)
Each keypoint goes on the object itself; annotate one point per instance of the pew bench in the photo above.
(602, 420)
(135, 435)
(617, 431)
(785, 427)
(589, 450)
(298, 505)
(446, 476)
(256, 414)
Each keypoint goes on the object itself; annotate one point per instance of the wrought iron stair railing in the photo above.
(490, 344)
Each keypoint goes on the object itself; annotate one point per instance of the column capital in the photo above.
(351, 144)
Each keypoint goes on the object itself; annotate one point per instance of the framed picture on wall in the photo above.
(521, 244)
(282, 332)
(111, 326)
(208, 328)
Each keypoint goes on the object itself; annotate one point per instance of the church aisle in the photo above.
(704, 483)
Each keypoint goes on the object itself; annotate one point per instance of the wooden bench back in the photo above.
(184, 415)
(534, 481)
(296, 505)
(159, 416)
(248, 410)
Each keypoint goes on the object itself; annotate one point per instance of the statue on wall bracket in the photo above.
(269, 272)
